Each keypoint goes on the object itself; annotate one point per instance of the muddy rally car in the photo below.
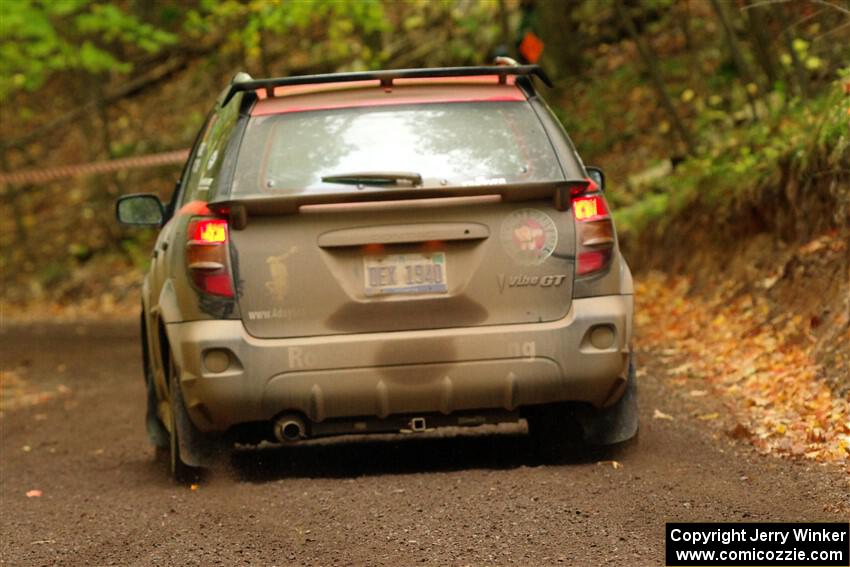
(382, 252)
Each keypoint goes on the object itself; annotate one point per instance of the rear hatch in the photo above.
(405, 268)
(478, 240)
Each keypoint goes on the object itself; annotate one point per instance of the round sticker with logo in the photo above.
(529, 236)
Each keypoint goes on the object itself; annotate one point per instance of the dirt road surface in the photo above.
(474, 498)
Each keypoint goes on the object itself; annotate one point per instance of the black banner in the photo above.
(758, 544)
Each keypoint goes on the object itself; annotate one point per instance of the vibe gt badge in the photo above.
(523, 280)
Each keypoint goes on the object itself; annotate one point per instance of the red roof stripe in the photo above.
(406, 91)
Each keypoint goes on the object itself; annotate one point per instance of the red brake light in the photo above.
(589, 208)
(215, 284)
(209, 231)
(592, 261)
(594, 232)
(207, 256)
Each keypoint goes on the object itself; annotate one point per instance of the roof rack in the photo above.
(241, 83)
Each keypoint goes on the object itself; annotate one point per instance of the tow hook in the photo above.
(417, 424)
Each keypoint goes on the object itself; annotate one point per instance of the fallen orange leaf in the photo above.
(658, 414)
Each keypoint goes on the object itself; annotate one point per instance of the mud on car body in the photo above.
(384, 251)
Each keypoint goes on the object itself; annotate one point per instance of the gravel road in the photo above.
(480, 497)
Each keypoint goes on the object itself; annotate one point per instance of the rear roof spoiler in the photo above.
(243, 83)
(239, 209)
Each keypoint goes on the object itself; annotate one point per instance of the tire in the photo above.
(614, 425)
(561, 428)
(157, 432)
(180, 471)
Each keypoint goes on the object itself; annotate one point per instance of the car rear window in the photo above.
(459, 143)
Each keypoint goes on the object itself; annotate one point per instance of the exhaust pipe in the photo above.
(289, 429)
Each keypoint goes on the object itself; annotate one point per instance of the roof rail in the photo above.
(385, 77)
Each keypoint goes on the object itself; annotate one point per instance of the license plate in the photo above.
(405, 273)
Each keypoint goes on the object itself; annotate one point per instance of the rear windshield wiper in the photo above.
(376, 178)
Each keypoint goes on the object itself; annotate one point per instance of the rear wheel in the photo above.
(559, 428)
(180, 471)
(157, 432)
(615, 425)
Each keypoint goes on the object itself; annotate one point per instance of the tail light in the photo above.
(206, 256)
(594, 231)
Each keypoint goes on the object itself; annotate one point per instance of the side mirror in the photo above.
(597, 175)
(141, 209)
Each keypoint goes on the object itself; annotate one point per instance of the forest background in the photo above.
(722, 126)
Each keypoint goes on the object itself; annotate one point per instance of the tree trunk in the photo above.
(683, 17)
(737, 53)
(764, 55)
(830, 19)
(504, 23)
(797, 65)
(655, 76)
(265, 64)
(563, 54)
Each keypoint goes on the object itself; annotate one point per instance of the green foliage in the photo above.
(53, 273)
(41, 37)
(735, 168)
(332, 35)
(137, 249)
(336, 28)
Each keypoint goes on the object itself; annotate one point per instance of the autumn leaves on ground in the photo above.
(736, 344)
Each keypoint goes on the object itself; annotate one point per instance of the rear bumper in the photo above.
(409, 372)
